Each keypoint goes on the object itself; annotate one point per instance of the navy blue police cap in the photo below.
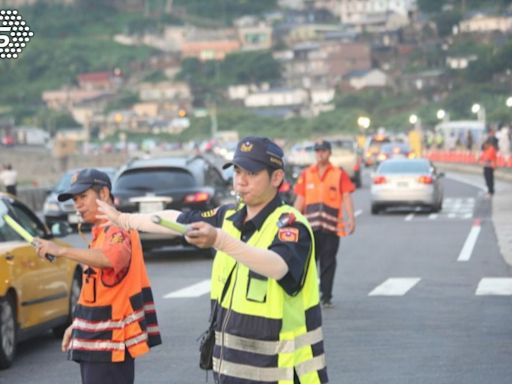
(322, 145)
(256, 153)
(83, 180)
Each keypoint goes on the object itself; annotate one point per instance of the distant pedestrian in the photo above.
(9, 176)
(489, 160)
(469, 141)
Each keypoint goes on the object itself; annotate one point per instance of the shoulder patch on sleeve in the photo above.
(288, 234)
(209, 213)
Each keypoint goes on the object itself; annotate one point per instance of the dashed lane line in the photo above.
(195, 290)
(395, 286)
(494, 286)
(469, 244)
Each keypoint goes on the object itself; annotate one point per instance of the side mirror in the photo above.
(61, 229)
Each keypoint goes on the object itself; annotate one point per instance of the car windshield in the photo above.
(155, 180)
(404, 167)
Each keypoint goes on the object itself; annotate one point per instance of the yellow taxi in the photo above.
(35, 294)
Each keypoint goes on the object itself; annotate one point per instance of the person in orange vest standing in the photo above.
(489, 159)
(323, 193)
(115, 319)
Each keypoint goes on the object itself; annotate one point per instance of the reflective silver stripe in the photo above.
(106, 325)
(152, 329)
(323, 215)
(96, 326)
(135, 316)
(249, 372)
(96, 345)
(149, 308)
(137, 339)
(315, 364)
(264, 347)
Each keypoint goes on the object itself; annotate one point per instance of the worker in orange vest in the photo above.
(115, 319)
(489, 159)
(323, 193)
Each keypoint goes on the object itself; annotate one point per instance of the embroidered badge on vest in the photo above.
(288, 234)
(117, 238)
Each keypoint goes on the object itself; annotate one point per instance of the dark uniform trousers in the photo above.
(108, 373)
(326, 249)
(489, 179)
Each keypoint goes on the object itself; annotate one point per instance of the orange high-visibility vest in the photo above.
(322, 200)
(112, 319)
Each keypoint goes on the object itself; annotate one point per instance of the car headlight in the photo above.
(51, 206)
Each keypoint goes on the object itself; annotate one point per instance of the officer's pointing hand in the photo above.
(201, 234)
(107, 213)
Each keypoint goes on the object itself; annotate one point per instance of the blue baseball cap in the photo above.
(256, 153)
(83, 180)
(322, 145)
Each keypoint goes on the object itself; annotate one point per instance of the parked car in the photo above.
(55, 211)
(35, 294)
(406, 182)
(182, 183)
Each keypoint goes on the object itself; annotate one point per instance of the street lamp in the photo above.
(413, 119)
(480, 112)
(508, 102)
(363, 122)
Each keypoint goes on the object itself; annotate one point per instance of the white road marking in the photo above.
(469, 244)
(494, 286)
(432, 216)
(195, 290)
(409, 217)
(395, 286)
(358, 212)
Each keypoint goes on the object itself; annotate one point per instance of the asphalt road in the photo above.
(414, 303)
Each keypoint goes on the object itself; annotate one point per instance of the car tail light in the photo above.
(197, 197)
(379, 180)
(425, 179)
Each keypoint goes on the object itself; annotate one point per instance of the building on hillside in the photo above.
(254, 34)
(4, 4)
(481, 23)
(210, 44)
(67, 98)
(277, 97)
(323, 64)
(373, 78)
(434, 78)
(460, 62)
(165, 91)
(241, 91)
(360, 12)
(101, 81)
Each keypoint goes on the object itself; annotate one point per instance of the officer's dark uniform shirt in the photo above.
(294, 252)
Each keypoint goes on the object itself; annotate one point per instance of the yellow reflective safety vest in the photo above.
(262, 333)
(111, 320)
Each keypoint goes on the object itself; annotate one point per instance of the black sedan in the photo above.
(181, 183)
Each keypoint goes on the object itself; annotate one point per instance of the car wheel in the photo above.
(375, 209)
(437, 207)
(7, 331)
(76, 286)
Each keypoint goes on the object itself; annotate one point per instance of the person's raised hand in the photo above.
(107, 213)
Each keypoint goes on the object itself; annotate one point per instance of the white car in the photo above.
(406, 182)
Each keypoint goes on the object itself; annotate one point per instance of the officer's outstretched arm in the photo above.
(263, 261)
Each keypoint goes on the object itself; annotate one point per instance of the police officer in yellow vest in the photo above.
(268, 325)
(115, 320)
